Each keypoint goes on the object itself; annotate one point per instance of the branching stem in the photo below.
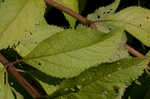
(86, 21)
(10, 68)
(72, 13)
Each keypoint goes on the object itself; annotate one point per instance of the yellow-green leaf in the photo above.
(68, 53)
(17, 18)
(136, 20)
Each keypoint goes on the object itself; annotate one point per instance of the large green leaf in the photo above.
(68, 53)
(101, 13)
(106, 81)
(135, 20)
(38, 34)
(17, 18)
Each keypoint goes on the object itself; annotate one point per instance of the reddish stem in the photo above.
(10, 68)
(71, 12)
(133, 51)
(86, 21)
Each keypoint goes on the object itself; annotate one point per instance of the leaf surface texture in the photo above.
(68, 53)
(17, 18)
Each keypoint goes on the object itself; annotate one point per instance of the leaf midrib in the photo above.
(64, 52)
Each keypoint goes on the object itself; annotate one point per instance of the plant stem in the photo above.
(86, 21)
(72, 13)
(10, 68)
(133, 51)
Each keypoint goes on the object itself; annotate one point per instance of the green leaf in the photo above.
(38, 34)
(135, 20)
(25, 46)
(121, 51)
(101, 13)
(50, 89)
(17, 18)
(5, 92)
(68, 53)
(106, 81)
(72, 4)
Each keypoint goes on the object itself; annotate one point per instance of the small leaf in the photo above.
(101, 13)
(135, 20)
(106, 81)
(50, 89)
(68, 53)
(17, 18)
